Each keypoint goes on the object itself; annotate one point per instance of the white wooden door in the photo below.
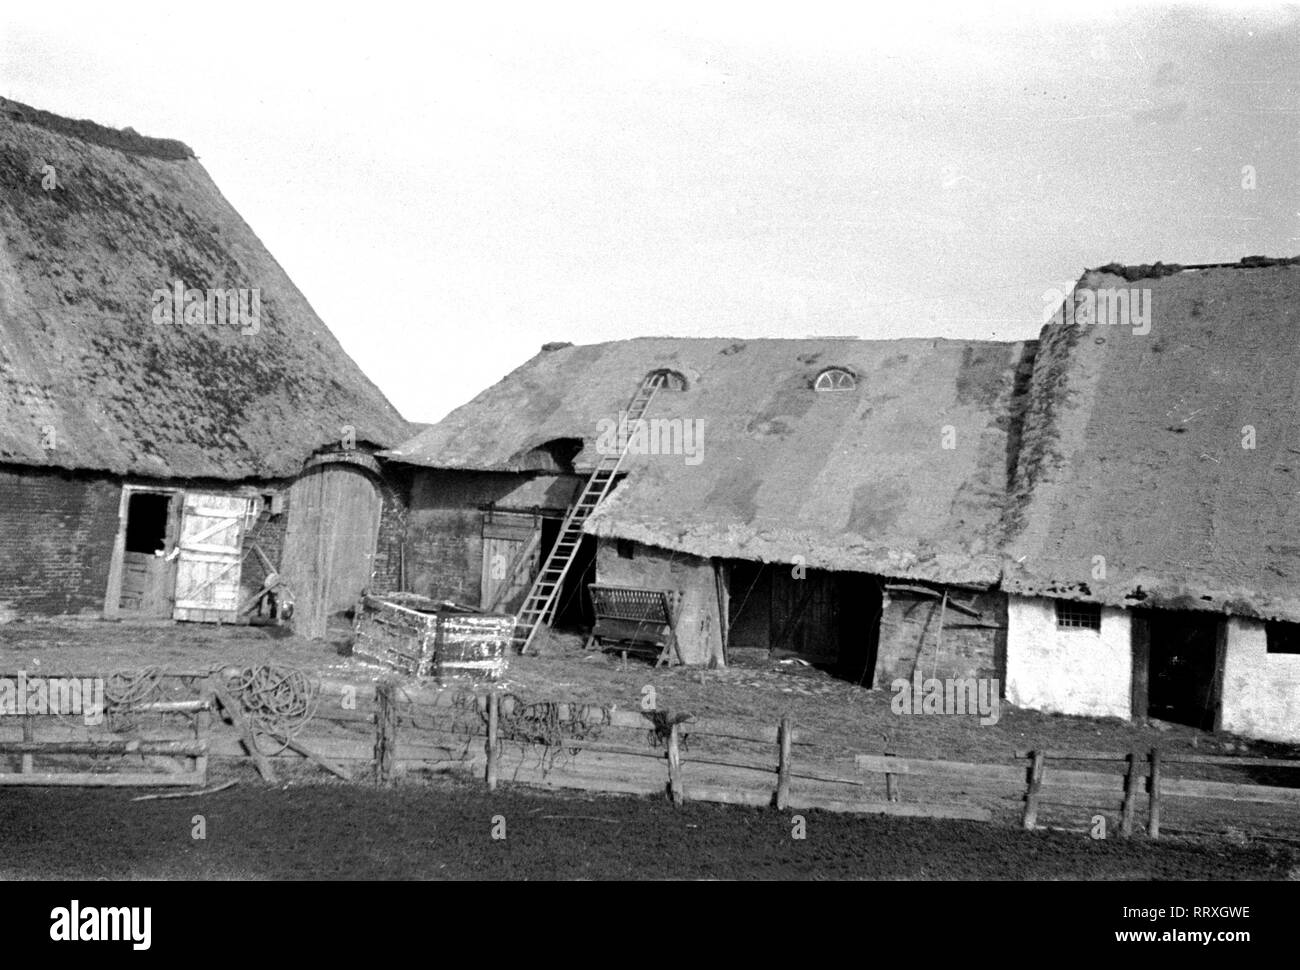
(208, 558)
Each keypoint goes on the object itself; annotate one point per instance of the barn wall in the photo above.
(909, 635)
(56, 540)
(444, 524)
(1261, 690)
(699, 628)
(1087, 672)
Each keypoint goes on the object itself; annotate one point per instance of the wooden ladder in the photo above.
(539, 605)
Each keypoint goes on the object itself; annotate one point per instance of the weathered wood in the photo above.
(182, 749)
(86, 779)
(493, 750)
(969, 771)
(907, 809)
(29, 734)
(293, 744)
(1153, 817)
(236, 715)
(1036, 770)
(1228, 761)
(675, 785)
(385, 732)
(783, 764)
(1057, 755)
(1264, 794)
(1130, 797)
(892, 792)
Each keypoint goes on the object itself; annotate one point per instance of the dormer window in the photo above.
(671, 380)
(835, 379)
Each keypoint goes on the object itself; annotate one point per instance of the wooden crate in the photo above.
(424, 638)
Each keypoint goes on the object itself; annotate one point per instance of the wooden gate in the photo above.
(208, 557)
(329, 543)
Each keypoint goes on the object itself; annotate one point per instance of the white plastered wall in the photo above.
(1261, 690)
(1068, 671)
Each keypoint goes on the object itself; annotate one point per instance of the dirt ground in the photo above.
(324, 831)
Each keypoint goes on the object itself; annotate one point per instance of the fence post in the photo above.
(675, 765)
(1130, 796)
(891, 783)
(1036, 769)
(385, 732)
(202, 723)
(493, 742)
(783, 764)
(29, 734)
(1153, 822)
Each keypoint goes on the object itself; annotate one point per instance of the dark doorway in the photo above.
(831, 620)
(148, 581)
(574, 611)
(1175, 656)
(146, 522)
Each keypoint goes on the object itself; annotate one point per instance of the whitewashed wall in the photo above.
(1068, 671)
(1261, 690)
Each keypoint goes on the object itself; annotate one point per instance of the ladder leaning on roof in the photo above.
(539, 605)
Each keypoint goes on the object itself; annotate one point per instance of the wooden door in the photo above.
(208, 554)
(329, 543)
(511, 558)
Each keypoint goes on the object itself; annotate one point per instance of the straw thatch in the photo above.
(82, 364)
(1133, 450)
(851, 480)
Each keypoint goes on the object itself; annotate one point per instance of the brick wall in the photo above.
(909, 624)
(395, 488)
(444, 524)
(56, 539)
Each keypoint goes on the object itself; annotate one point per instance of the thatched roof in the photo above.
(850, 480)
(1132, 449)
(80, 261)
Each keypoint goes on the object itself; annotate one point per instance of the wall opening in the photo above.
(147, 585)
(1175, 659)
(830, 620)
(146, 522)
(574, 611)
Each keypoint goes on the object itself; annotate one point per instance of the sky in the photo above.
(452, 186)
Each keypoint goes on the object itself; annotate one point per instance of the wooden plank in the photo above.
(675, 765)
(493, 751)
(236, 715)
(385, 732)
(1083, 755)
(82, 779)
(970, 771)
(1035, 785)
(1228, 760)
(181, 749)
(1130, 797)
(783, 764)
(1267, 794)
(1140, 691)
(1153, 818)
(904, 809)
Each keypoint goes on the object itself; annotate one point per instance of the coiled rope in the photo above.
(277, 701)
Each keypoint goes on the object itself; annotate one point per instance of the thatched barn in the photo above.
(1154, 540)
(830, 499)
(169, 399)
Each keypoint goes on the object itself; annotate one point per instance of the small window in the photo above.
(1078, 616)
(626, 549)
(835, 379)
(1282, 637)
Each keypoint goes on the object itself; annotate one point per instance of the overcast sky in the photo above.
(452, 187)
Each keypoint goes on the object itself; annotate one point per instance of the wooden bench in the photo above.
(635, 620)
